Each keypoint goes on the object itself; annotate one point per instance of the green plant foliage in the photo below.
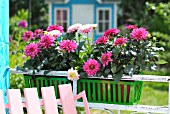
(128, 56)
(164, 41)
(17, 82)
(131, 58)
(14, 29)
(53, 58)
(161, 29)
(39, 11)
(163, 9)
(155, 16)
(15, 48)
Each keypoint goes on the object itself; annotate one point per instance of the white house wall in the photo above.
(72, 4)
(83, 14)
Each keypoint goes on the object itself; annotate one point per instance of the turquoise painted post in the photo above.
(4, 46)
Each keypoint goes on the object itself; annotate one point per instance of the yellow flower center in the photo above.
(72, 75)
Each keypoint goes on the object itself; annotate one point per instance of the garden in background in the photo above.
(154, 15)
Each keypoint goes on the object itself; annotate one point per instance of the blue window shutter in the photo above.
(4, 46)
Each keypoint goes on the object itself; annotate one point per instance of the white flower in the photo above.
(85, 29)
(72, 74)
(74, 28)
(94, 25)
(77, 26)
(55, 33)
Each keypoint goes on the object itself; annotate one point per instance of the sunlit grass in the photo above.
(154, 94)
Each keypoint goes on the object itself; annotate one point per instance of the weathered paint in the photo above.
(4, 46)
(82, 2)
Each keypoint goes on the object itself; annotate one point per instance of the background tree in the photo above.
(39, 11)
(154, 15)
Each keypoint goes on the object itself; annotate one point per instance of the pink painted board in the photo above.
(49, 100)
(2, 105)
(67, 99)
(15, 101)
(32, 101)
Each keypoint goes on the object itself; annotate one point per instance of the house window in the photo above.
(103, 19)
(62, 17)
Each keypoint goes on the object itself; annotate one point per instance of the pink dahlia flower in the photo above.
(131, 27)
(31, 50)
(46, 41)
(85, 29)
(111, 32)
(102, 40)
(74, 27)
(106, 58)
(55, 27)
(120, 41)
(68, 45)
(38, 33)
(23, 24)
(139, 34)
(28, 36)
(91, 67)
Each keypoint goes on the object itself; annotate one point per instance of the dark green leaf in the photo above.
(118, 76)
(105, 75)
(46, 72)
(85, 57)
(113, 69)
(99, 74)
(80, 45)
(107, 71)
(115, 50)
(69, 36)
(83, 75)
(95, 50)
(64, 65)
(130, 69)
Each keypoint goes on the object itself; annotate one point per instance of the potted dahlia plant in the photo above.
(53, 50)
(114, 54)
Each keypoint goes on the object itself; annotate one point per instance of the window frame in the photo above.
(103, 21)
(68, 16)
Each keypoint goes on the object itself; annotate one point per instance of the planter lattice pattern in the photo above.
(110, 92)
(45, 81)
(97, 90)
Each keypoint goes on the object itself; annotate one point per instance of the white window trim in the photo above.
(68, 15)
(57, 2)
(115, 15)
(49, 14)
(109, 2)
(110, 19)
